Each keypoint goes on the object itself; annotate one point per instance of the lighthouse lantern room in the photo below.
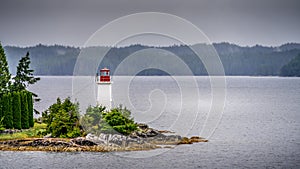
(104, 88)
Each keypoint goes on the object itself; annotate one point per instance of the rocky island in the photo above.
(144, 139)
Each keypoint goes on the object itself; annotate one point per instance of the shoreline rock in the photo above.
(66, 145)
(10, 131)
(144, 138)
(86, 144)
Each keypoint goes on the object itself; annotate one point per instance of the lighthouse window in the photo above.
(104, 74)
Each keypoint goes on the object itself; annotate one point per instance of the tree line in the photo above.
(237, 60)
(16, 102)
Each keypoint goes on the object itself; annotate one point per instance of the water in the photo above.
(260, 127)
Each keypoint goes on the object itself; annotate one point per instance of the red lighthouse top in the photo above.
(104, 75)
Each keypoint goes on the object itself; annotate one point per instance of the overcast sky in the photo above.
(72, 22)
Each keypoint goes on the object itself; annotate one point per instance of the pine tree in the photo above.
(1, 114)
(24, 110)
(4, 72)
(16, 110)
(30, 109)
(24, 75)
(2, 109)
(7, 110)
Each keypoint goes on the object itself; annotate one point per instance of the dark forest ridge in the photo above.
(237, 60)
(289, 45)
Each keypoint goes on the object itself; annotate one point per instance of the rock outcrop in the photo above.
(10, 131)
(144, 138)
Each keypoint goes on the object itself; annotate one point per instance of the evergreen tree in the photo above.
(4, 72)
(30, 109)
(7, 110)
(16, 110)
(4, 108)
(24, 111)
(24, 75)
(62, 119)
(1, 114)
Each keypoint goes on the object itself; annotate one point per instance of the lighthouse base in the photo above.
(104, 95)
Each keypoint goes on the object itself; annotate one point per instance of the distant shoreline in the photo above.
(236, 60)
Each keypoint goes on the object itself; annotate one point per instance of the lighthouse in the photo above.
(104, 88)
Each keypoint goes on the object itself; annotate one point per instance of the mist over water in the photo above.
(260, 127)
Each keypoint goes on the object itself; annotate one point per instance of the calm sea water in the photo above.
(260, 125)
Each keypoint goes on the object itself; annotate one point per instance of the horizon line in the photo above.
(148, 45)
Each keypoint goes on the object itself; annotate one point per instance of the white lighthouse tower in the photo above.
(104, 88)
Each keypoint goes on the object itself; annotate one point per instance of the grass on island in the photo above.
(35, 132)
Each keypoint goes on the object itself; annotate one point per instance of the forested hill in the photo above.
(292, 68)
(237, 60)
